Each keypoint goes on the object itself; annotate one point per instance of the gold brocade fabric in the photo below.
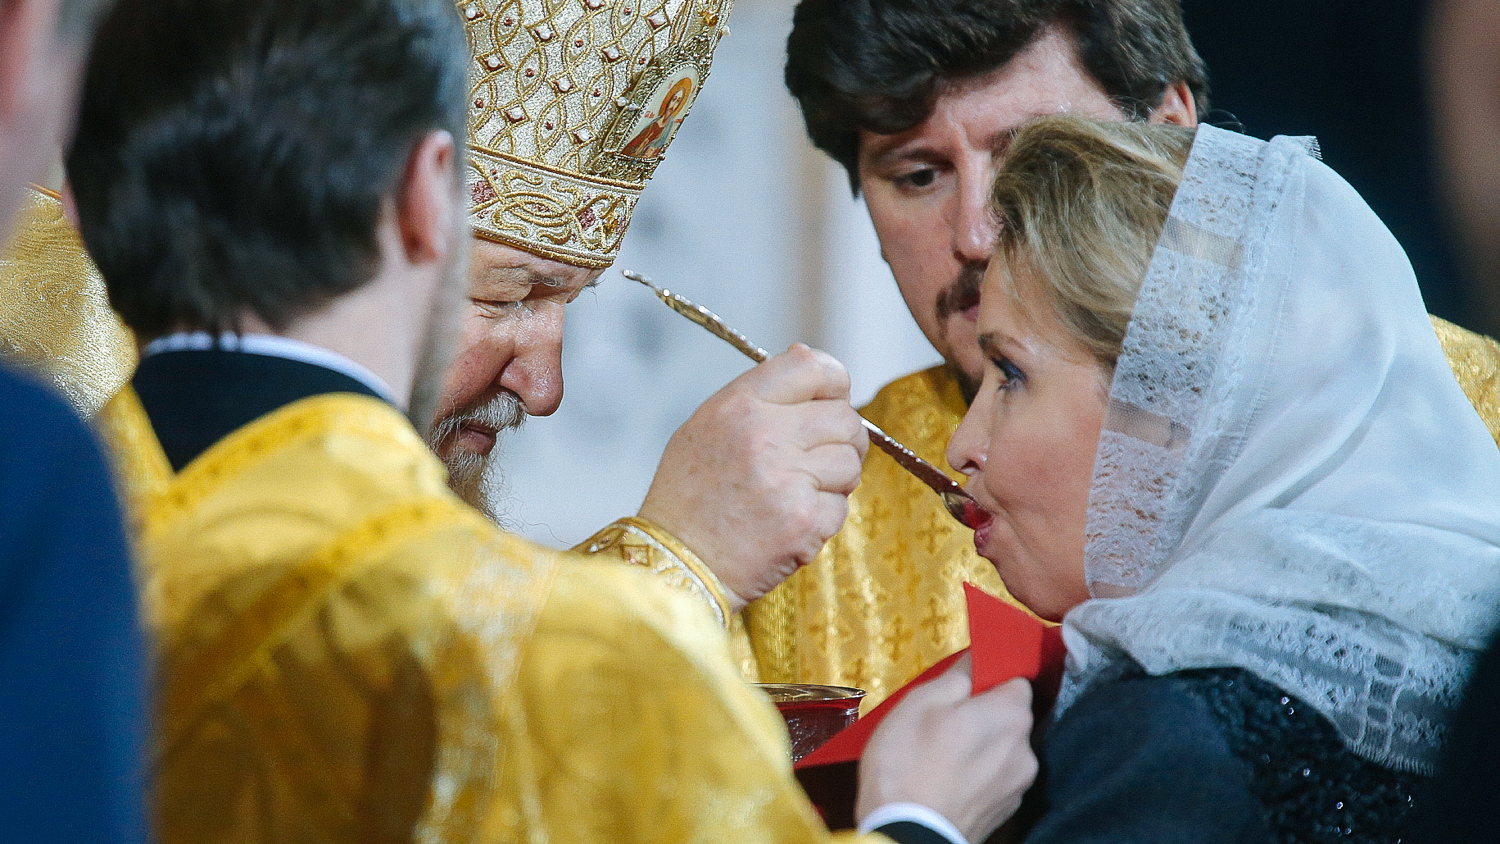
(1475, 360)
(55, 318)
(630, 725)
(347, 653)
(639, 542)
(884, 600)
(141, 469)
(335, 634)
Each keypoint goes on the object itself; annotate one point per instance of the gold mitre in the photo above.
(573, 103)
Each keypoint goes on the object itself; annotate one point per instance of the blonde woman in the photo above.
(1220, 442)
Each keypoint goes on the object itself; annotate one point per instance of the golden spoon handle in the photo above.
(955, 499)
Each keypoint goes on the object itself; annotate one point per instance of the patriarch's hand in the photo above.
(757, 480)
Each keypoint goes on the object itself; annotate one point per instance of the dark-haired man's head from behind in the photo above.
(915, 98)
(241, 166)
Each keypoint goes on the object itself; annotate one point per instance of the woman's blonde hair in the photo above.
(1081, 204)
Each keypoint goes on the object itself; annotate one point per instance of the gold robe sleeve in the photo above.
(643, 543)
(628, 724)
(55, 317)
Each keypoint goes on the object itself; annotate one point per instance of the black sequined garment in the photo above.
(1312, 789)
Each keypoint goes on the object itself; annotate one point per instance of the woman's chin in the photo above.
(1047, 603)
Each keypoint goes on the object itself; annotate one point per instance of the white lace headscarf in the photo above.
(1289, 479)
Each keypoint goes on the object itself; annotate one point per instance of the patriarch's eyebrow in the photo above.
(525, 276)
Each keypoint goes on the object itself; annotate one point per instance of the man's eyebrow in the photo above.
(1000, 141)
(885, 150)
(988, 344)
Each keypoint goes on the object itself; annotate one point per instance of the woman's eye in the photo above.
(1011, 375)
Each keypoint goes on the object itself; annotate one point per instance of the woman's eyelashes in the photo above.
(1011, 375)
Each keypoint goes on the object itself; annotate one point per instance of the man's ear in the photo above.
(1177, 106)
(428, 202)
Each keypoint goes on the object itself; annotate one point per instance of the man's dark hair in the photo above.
(880, 65)
(236, 155)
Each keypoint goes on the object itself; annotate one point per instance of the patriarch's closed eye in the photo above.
(498, 307)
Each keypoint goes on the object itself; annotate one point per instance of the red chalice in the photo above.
(814, 714)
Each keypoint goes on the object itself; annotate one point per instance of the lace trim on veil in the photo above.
(1160, 449)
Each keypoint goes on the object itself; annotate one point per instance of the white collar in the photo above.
(274, 346)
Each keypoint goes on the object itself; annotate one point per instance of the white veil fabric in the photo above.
(1290, 480)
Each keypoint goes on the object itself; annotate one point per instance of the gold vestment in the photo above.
(55, 317)
(346, 652)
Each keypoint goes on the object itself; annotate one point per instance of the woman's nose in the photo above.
(968, 448)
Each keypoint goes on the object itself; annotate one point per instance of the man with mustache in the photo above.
(782, 440)
(916, 99)
(755, 481)
(346, 651)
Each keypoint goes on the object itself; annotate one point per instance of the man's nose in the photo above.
(975, 231)
(536, 373)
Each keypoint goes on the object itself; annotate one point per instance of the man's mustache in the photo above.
(501, 412)
(963, 293)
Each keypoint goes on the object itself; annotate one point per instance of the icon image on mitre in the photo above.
(573, 105)
(654, 130)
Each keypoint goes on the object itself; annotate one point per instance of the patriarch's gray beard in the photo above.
(475, 478)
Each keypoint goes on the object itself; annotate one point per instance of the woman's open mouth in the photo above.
(982, 532)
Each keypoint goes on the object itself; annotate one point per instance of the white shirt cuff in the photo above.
(914, 813)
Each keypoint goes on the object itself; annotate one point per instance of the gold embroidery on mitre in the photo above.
(573, 103)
